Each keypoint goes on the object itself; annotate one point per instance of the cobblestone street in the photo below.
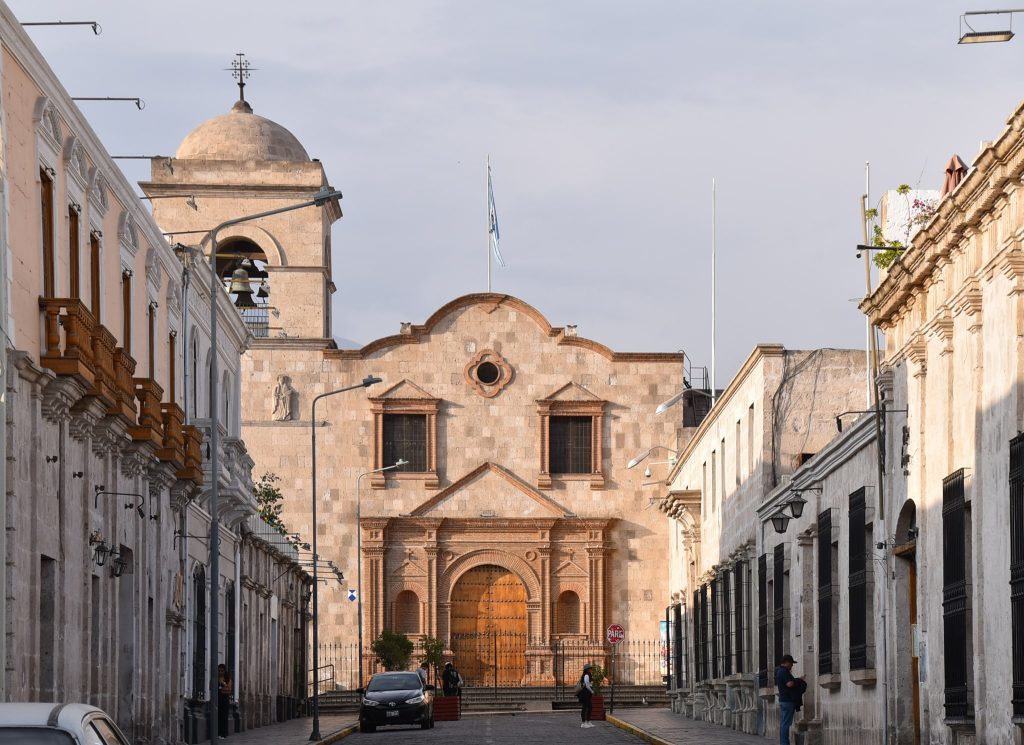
(503, 729)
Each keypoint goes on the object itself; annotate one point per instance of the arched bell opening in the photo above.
(242, 267)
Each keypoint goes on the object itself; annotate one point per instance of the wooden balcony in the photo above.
(193, 468)
(69, 353)
(124, 388)
(150, 427)
(104, 346)
(173, 450)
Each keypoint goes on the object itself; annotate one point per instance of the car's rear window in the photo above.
(34, 736)
(405, 682)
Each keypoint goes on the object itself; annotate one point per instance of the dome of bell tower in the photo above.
(241, 135)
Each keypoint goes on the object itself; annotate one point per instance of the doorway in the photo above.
(489, 626)
(908, 712)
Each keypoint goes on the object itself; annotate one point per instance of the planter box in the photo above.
(597, 708)
(447, 708)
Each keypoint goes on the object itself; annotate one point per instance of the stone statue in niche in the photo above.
(283, 394)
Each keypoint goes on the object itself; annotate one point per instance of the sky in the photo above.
(605, 123)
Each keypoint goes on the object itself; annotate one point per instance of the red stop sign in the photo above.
(615, 634)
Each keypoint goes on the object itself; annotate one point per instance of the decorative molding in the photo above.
(492, 389)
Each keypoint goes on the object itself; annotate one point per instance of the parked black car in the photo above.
(396, 698)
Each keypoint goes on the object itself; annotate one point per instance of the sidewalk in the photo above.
(663, 727)
(295, 732)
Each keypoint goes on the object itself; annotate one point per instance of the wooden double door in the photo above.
(489, 627)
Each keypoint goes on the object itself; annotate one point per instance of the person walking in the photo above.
(789, 692)
(586, 695)
(224, 691)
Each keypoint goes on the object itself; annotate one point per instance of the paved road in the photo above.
(552, 728)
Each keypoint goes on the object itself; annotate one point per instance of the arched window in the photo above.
(567, 613)
(242, 266)
(407, 612)
(199, 632)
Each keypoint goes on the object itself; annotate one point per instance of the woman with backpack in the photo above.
(585, 693)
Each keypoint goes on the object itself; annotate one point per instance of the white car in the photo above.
(57, 724)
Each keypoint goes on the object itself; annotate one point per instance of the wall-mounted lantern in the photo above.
(100, 550)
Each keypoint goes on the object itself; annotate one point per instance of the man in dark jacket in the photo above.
(789, 693)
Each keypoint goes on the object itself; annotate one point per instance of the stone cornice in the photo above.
(997, 171)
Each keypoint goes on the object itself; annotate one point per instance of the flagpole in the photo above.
(713, 221)
(487, 203)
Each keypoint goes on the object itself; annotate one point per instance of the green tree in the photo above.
(269, 501)
(392, 649)
(433, 655)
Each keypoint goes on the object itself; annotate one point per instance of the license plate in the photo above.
(392, 713)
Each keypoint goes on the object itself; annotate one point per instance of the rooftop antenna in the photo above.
(240, 69)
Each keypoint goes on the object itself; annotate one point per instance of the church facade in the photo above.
(513, 514)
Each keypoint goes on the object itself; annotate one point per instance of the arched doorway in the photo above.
(489, 626)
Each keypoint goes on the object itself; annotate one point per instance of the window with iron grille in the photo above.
(571, 444)
(1017, 569)
(405, 437)
(705, 621)
(860, 584)
(199, 682)
(726, 623)
(956, 611)
(679, 645)
(779, 606)
(827, 597)
(697, 671)
(716, 626)
(739, 578)
(762, 621)
(230, 632)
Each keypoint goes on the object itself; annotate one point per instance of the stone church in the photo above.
(514, 514)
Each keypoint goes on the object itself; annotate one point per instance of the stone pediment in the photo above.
(490, 490)
(569, 568)
(409, 568)
(572, 392)
(404, 390)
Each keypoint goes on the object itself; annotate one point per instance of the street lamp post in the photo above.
(315, 734)
(320, 199)
(359, 561)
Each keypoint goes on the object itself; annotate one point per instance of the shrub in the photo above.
(393, 650)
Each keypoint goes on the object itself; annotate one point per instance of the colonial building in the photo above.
(106, 368)
(777, 412)
(953, 314)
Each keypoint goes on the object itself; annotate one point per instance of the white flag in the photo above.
(492, 230)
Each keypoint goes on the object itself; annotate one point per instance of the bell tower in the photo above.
(277, 269)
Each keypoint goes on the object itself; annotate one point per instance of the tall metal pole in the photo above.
(713, 249)
(321, 198)
(367, 382)
(487, 201)
(359, 560)
(216, 289)
(359, 580)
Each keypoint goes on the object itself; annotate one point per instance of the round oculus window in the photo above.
(488, 373)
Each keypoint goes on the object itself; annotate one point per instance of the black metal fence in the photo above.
(508, 659)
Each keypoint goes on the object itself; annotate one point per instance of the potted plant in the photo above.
(597, 678)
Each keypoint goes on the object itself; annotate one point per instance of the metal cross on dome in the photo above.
(240, 69)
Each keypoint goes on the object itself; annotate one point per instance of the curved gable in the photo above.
(416, 333)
